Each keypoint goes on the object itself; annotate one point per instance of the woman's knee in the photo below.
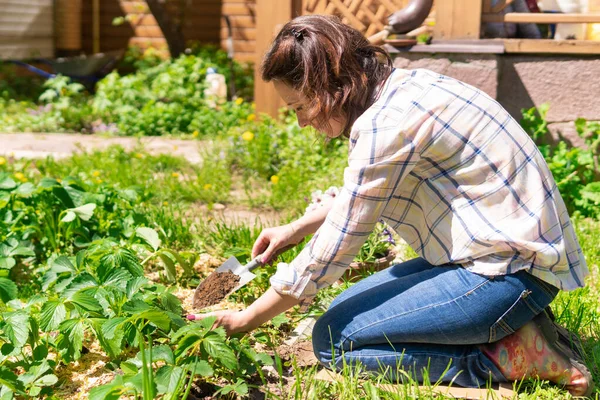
(325, 340)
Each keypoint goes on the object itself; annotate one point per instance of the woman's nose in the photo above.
(302, 121)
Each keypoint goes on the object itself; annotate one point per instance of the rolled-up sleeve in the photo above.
(380, 157)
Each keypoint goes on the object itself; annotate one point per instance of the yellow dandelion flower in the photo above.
(208, 186)
(239, 101)
(175, 147)
(2, 160)
(58, 180)
(247, 136)
(274, 179)
(96, 174)
(175, 174)
(20, 176)
(251, 117)
(98, 180)
(165, 203)
(138, 155)
(195, 134)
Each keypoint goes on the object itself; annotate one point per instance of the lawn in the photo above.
(100, 252)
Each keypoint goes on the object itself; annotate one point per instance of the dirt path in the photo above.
(60, 145)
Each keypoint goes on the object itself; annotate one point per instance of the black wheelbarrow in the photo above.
(85, 69)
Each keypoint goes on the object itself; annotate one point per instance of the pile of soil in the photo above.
(214, 289)
(302, 351)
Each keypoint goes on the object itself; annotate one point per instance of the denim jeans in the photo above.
(416, 315)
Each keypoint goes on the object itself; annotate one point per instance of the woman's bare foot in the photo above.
(527, 354)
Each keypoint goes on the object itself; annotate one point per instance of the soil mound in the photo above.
(214, 289)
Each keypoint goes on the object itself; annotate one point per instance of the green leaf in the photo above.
(9, 379)
(150, 236)
(157, 317)
(169, 267)
(53, 313)
(129, 368)
(133, 286)
(25, 189)
(40, 352)
(167, 378)
(84, 212)
(7, 262)
(17, 327)
(46, 380)
(6, 183)
(86, 301)
(110, 391)
(202, 368)
(110, 327)
(7, 349)
(8, 290)
(62, 264)
(215, 345)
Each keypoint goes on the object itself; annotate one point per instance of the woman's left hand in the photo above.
(233, 321)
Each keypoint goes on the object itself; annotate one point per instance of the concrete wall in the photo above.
(570, 84)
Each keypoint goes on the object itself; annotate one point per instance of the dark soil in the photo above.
(214, 289)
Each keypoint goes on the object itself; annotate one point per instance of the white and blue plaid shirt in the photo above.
(459, 180)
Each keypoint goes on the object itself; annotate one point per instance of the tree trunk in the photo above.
(172, 31)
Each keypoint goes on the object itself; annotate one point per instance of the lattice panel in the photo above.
(368, 16)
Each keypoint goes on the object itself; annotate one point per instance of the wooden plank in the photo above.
(26, 48)
(239, 33)
(542, 18)
(549, 46)
(458, 19)
(269, 18)
(244, 46)
(26, 3)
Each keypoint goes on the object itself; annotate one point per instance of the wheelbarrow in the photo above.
(87, 69)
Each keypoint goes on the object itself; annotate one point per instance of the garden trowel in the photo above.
(244, 272)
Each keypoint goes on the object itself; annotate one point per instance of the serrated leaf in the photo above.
(86, 301)
(62, 264)
(167, 378)
(40, 352)
(202, 368)
(157, 317)
(216, 347)
(110, 391)
(8, 290)
(171, 303)
(133, 286)
(7, 349)
(169, 267)
(53, 313)
(9, 379)
(150, 236)
(17, 327)
(129, 368)
(110, 327)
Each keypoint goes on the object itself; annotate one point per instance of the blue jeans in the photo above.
(416, 315)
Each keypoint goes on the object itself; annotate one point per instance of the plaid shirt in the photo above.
(459, 180)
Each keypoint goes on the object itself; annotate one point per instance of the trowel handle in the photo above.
(252, 265)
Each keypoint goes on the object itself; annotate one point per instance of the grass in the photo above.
(168, 187)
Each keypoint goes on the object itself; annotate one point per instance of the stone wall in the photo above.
(570, 84)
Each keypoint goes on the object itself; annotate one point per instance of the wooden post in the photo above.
(457, 19)
(270, 17)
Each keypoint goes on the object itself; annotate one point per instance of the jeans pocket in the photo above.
(520, 312)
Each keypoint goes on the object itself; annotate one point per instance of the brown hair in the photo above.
(331, 63)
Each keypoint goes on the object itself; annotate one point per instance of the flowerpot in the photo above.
(359, 270)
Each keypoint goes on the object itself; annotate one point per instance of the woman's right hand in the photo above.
(271, 240)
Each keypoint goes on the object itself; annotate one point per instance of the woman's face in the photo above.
(297, 102)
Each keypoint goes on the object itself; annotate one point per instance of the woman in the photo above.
(450, 170)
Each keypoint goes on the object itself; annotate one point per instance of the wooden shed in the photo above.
(26, 29)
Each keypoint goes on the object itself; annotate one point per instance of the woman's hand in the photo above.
(274, 239)
(233, 321)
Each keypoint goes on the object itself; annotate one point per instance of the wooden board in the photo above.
(458, 19)
(550, 46)
(502, 391)
(542, 18)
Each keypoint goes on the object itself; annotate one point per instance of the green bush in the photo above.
(575, 169)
